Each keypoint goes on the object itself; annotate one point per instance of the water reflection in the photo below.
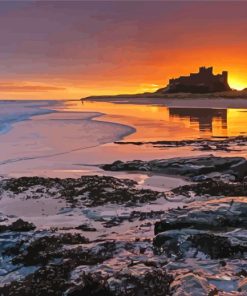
(204, 117)
(155, 122)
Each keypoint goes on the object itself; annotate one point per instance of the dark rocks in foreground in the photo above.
(216, 228)
(59, 269)
(199, 249)
(190, 167)
(154, 281)
(53, 280)
(194, 247)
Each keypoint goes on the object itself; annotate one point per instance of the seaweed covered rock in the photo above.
(43, 249)
(218, 246)
(87, 191)
(216, 214)
(216, 228)
(93, 285)
(94, 273)
(212, 188)
(50, 280)
(138, 280)
(18, 225)
(54, 263)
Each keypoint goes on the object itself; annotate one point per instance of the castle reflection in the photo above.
(207, 119)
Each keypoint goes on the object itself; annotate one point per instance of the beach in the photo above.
(105, 175)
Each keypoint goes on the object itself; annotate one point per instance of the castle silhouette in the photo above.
(202, 82)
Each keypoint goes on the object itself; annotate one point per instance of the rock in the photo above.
(192, 230)
(54, 263)
(18, 225)
(191, 167)
(92, 285)
(218, 246)
(50, 280)
(242, 287)
(227, 144)
(43, 249)
(190, 284)
(174, 243)
(86, 227)
(151, 281)
(138, 280)
(212, 188)
(212, 215)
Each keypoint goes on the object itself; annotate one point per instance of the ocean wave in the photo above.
(12, 112)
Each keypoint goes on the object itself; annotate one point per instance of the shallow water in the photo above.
(159, 122)
(69, 138)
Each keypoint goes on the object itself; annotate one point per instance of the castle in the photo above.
(202, 82)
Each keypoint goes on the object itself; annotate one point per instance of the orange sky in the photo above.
(72, 49)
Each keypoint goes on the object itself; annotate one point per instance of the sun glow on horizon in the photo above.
(237, 83)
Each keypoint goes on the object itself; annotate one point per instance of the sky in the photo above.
(74, 49)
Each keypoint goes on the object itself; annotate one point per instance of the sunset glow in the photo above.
(237, 83)
(77, 49)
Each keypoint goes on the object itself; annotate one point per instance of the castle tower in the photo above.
(225, 76)
(204, 70)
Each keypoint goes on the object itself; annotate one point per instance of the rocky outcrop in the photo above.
(84, 268)
(216, 228)
(217, 214)
(190, 167)
(207, 244)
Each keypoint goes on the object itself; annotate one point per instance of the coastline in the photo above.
(28, 111)
(48, 124)
(207, 102)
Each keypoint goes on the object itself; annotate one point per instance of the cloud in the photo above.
(24, 87)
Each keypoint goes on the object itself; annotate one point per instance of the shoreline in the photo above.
(209, 102)
(9, 121)
(118, 131)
